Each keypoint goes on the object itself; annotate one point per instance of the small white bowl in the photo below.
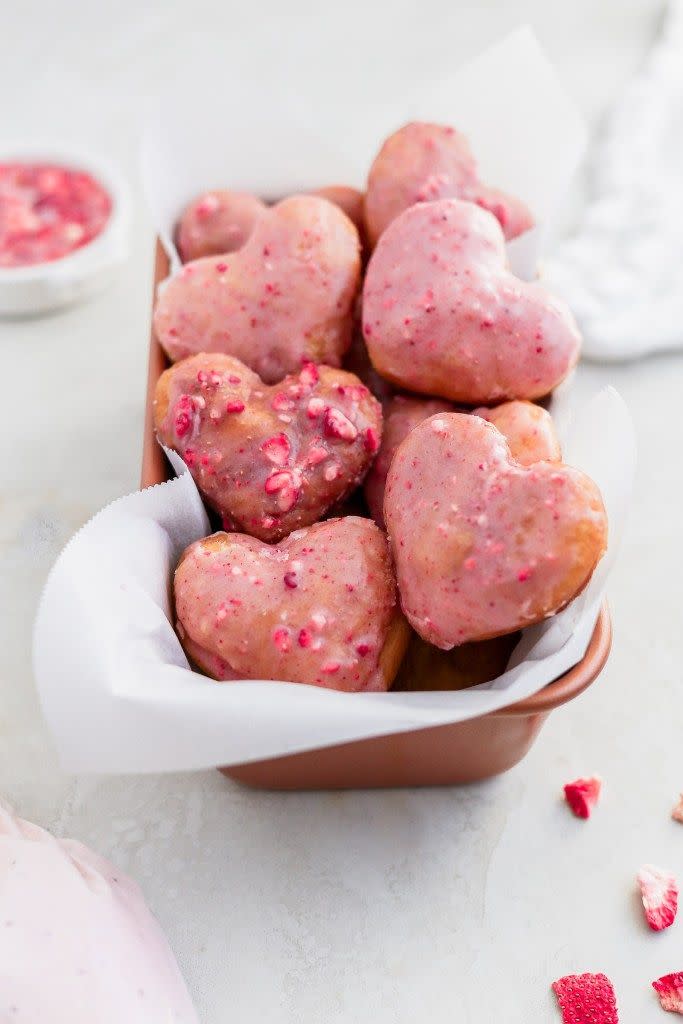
(41, 287)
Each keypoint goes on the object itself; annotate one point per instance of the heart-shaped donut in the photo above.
(422, 162)
(529, 430)
(319, 607)
(482, 545)
(285, 297)
(442, 314)
(269, 459)
(217, 222)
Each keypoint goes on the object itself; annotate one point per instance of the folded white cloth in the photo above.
(77, 942)
(622, 273)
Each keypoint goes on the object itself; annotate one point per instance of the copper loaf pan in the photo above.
(436, 756)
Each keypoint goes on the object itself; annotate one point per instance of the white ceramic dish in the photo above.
(42, 287)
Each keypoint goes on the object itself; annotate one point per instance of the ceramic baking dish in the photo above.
(436, 756)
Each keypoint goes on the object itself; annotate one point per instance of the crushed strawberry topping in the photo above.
(282, 640)
(669, 988)
(47, 212)
(184, 410)
(315, 408)
(287, 486)
(659, 891)
(305, 638)
(371, 440)
(586, 999)
(277, 449)
(336, 424)
(582, 795)
(309, 375)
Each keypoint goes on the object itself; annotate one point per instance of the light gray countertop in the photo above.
(439, 906)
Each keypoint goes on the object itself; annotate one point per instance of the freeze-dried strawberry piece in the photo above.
(659, 890)
(677, 812)
(586, 999)
(582, 795)
(669, 988)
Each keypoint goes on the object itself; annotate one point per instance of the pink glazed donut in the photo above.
(482, 545)
(422, 162)
(268, 459)
(319, 607)
(443, 315)
(284, 298)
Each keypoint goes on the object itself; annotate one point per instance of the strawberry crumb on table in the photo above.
(48, 211)
(659, 892)
(586, 999)
(583, 794)
(669, 988)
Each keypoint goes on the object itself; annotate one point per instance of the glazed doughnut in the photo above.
(216, 222)
(319, 607)
(268, 459)
(284, 298)
(443, 315)
(482, 545)
(423, 162)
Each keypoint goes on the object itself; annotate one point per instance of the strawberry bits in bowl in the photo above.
(63, 222)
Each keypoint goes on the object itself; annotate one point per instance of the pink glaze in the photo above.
(423, 162)
(442, 314)
(482, 545)
(315, 608)
(47, 212)
(217, 222)
(401, 414)
(269, 459)
(77, 942)
(529, 430)
(285, 297)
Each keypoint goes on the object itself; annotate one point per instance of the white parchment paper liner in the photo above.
(115, 685)
(525, 133)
